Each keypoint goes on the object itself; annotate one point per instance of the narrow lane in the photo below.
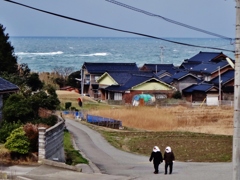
(112, 161)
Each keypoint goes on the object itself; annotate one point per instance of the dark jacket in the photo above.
(156, 157)
(168, 157)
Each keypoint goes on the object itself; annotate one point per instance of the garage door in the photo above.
(212, 100)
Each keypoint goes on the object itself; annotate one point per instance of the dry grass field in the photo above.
(211, 120)
(200, 134)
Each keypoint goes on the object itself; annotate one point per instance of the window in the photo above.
(117, 96)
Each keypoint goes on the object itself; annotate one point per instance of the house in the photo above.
(5, 87)
(226, 84)
(123, 86)
(181, 80)
(155, 68)
(92, 71)
(208, 71)
(202, 57)
(201, 93)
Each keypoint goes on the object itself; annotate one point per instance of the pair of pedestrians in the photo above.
(157, 158)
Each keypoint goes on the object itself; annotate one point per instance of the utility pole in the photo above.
(161, 56)
(236, 123)
(219, 86)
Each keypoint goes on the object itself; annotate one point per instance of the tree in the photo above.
(34, 82)
(8, 61)
(63, 73)
(71, 81)
(17, 107)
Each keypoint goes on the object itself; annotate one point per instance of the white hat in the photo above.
(156, 149)
(168, 149)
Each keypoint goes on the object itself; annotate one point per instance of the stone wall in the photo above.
(51, 142)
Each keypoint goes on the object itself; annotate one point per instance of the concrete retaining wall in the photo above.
(51, 142)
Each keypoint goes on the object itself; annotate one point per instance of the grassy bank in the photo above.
(73, 157)
(187, 146)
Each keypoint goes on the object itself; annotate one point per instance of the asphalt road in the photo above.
(112, 161)
(109, 163)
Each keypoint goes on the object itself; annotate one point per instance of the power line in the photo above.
(167, 19)
(115, 29)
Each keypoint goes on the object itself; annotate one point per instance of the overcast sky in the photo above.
(216, 16)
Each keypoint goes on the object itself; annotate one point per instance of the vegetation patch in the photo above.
(187, 146)
(73, 156)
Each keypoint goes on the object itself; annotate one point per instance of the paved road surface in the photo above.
(109, 163)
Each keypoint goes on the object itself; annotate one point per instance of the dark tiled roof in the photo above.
(105, 67)
(159, 67)
(225, 77)
(209, 68)
(188, 65)
(6, 86)
(135, 79)
(198, 87)
(167, 79)
(204, 57)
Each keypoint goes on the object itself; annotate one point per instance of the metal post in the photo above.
(219, 86)
(236, 125)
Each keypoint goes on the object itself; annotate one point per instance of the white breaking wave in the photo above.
(95, 54)
(40, 53)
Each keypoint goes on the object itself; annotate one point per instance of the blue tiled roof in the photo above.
(198, 87)
(135, 79)
(167, 79)
(180, 75)
(170, 68)
(209, 68)
(225, 77)
(187, 65)
(7, 86)
(104, 67)
(122, 77)
(205, 57)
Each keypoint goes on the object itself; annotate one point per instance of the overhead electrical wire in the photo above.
(167, 19)
(115, 29)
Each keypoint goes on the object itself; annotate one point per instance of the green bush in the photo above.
(18, 141)
(68, 105)
(6, 128)
(177, 95)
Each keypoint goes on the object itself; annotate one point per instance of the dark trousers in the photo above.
(170, 164)
(156, 167)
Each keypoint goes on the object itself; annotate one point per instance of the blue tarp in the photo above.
(95, 119)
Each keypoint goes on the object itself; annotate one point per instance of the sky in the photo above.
(217, 16)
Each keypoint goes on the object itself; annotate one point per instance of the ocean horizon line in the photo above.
(124, 37)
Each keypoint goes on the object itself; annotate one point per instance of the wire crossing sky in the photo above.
(114, 29)
(167, 19)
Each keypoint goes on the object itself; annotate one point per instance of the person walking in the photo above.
(157, 158)
(169, 158)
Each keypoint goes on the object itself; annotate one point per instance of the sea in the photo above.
(43, 54)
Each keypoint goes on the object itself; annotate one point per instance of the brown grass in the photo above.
(212, 120)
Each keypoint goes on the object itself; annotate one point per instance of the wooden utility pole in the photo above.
(236, 123)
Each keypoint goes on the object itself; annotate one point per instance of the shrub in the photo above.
(31, 131)
(6, 128)
(177, 95)
(68, 105)
(18, 141)
(50, 121)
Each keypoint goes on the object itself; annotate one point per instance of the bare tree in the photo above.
(63, 73)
